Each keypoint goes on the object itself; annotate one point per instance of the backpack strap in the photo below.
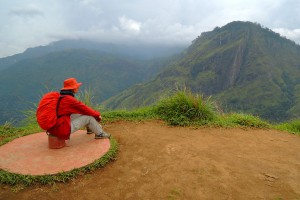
(57, 105)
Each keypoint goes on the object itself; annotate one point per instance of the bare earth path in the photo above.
(156, 161)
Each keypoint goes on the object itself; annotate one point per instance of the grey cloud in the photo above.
(27, 12)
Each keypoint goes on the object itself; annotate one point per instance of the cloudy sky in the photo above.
(30, 23)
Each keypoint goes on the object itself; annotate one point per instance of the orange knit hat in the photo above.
(71, 84)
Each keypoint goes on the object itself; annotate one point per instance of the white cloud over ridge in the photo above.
(293, 34)
(31, 23)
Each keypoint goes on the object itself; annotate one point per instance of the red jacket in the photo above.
(69, 105)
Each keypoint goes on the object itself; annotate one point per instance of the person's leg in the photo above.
(78, 121)
(88, 130)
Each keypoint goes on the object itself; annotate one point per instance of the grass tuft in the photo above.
(183, 109)
(87, 97)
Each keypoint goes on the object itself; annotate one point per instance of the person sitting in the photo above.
(74, 115)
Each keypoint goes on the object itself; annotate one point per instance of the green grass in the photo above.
(291, 126)
(9, 132)
(134, 115)
(241, 120)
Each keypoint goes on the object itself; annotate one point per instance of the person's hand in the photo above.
(98, 118)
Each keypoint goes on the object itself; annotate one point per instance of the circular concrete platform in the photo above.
(30, 155)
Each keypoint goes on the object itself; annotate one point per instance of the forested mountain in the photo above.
(23, 83)
(242, 65)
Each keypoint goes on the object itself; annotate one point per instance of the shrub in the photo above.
(183, 108)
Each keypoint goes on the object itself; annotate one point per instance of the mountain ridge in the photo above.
(243, 66)
(133, 51)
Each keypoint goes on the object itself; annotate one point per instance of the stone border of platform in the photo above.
(82, 153)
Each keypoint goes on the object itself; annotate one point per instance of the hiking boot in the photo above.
(102, 135)
(88, 131)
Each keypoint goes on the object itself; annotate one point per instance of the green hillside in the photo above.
(242, 65)
(23, 83)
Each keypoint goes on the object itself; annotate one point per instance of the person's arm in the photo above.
(80, 108)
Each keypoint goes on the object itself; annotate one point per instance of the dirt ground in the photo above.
(156, 161)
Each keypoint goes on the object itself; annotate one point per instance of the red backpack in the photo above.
(46, 113)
